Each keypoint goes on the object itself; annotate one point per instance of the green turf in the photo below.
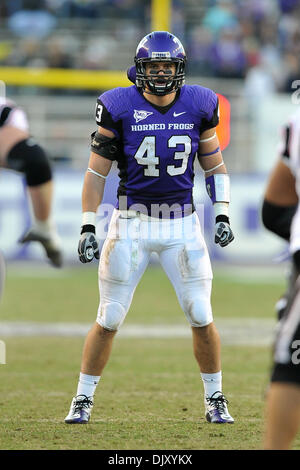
(150, 397)
(72, 295)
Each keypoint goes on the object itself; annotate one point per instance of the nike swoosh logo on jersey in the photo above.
(178, 114)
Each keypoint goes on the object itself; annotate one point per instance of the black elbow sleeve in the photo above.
(29, 158)
(107, 147)
(278, 219)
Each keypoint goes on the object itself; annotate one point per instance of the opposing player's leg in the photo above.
(43, 229)
(122, 263)
(282, 419)
(27, 157)
(282, 415)
(188, 267)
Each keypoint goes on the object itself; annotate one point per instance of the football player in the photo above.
(20, 152)
(282, 195)
(279, 206)
(154, 130)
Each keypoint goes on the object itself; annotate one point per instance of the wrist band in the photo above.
(89, 218)
(221, 208)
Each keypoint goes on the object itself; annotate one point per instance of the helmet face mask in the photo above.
(160, 48)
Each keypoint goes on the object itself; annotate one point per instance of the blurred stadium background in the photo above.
(57, 56)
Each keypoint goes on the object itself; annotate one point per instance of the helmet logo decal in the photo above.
(139, 115)
(161, 55)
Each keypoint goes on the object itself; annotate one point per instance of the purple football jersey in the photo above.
(159, 143)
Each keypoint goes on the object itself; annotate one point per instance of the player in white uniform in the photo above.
(282, 196)
(20, 152)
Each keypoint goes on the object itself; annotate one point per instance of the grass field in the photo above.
(150, 396)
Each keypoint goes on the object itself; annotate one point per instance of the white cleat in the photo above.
(80, 410)
(216, 410)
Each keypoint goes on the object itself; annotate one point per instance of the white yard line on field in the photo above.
(272, 274)
(233, 331)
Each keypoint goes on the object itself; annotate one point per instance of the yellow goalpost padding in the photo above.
(84, 79)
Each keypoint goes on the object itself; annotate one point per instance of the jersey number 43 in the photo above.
(145, 155)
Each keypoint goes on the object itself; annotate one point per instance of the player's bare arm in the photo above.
(217, 183)
(92, 194)
(280, 200)
(94, 181)
(209, 154)
(281, 186)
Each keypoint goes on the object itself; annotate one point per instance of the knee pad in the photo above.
(29, 158)
(198, 312)
(111, 315)
(278, 219)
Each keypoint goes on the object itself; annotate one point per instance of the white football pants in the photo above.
(132, 238)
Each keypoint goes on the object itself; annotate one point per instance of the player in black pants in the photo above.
(281, 214)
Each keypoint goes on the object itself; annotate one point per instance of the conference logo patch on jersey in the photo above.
(139, 115)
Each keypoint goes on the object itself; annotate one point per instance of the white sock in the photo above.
(44, 226)
(212, 383)
(87, 384)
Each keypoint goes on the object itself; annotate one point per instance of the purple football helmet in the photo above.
(160, 46)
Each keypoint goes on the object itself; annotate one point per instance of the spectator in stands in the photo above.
(57, 56)
(232, 37)
(222, 15)
(199, 46)
(81, 9)
(292, 72)
(33, 20)
(227, 58)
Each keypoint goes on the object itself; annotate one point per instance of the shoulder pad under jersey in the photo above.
(116, 101)
(204, 101)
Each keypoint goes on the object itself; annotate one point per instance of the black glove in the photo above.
(88, 247)
(223, 232)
